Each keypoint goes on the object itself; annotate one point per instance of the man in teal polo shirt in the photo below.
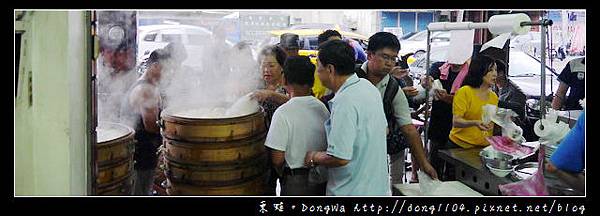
(356, 130)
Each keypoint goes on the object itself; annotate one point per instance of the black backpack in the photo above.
(396, 142)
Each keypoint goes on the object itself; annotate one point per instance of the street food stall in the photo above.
(472, 172)
(509, 160)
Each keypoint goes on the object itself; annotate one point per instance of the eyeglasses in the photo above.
(387, 57)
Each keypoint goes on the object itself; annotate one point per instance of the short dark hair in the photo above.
(402, 64)
(159, 55)
(381, 40)
(339, 54)
(403, 61)
(501, 66)
(242, 45)
(479, 67)
(289, 41)
(326, 35)
(276, 51)
(299, 70)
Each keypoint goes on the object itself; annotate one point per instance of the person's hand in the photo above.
(410, 91)
(261, 95)
(485, 127)
(429, 170)
(399, 72)
(438, 93)
(427, 82)
(442, 95)
(308, 159)
(414, 115)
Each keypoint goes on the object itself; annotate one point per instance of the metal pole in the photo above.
(92, 107)
(551, 48)
(427, 105)
(544, 23)
(543, 66)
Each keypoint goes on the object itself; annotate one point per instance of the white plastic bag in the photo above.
(488, 112)
(427, 185)
(421, 95)
(437, 85)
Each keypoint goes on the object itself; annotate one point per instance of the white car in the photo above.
(530, 43)
(417, 43)
(523, 69)
(153, 37)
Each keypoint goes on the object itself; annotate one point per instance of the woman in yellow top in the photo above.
(468, 129)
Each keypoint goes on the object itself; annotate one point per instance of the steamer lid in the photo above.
(107, 131)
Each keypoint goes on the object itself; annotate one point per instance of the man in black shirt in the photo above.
(573, 77)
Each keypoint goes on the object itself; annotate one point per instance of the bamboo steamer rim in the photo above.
(167, 115)
(183, 189)
(115, 164)
(258, 137)
(127, 133)
(126, 181)
(220, 166)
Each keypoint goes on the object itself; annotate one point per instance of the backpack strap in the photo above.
(388, 97)
(395, 140)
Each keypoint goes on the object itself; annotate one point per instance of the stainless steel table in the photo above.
(472, 172)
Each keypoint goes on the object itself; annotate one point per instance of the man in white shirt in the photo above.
(296, 128)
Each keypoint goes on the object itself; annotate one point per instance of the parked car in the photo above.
(318, 26)
(531, 43)
(417, 43)
(153, 37)
(524, 70)
(407, 35)
(309, 39)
